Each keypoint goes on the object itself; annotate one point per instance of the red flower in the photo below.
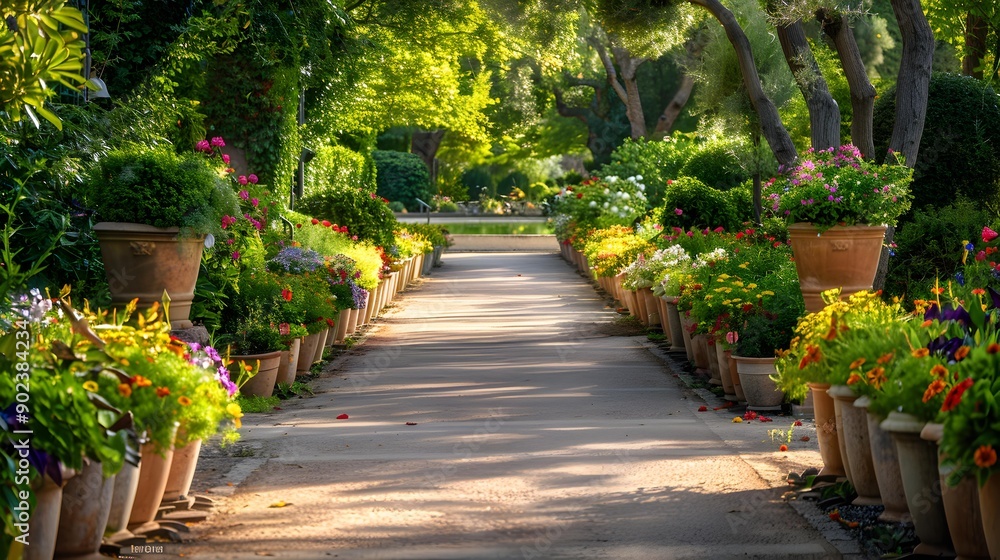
(287, 294)
(579, 195)
(988, 234)
(985, 457)
(330, 323)
(955, 395)
(315, 221)
(702, 408)
(372, 195)
(326, 223)
(162, 392)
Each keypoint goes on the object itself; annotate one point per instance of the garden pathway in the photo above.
(535, 437)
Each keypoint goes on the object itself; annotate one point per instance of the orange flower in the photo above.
(854, 378)
(961, 353)
(985, 457)
(934, 389)
(184, 401)
(876, 377)
(937, 291)
(921, 353)
(939, 371)
(813, 356)
(832, 333)
(124, 389)
(993, 348)
(954, 396)
(885, 358)
(162, 392)
(856, 364)
(978, 291)
(926, 323)
(141, 381)
(785, 448)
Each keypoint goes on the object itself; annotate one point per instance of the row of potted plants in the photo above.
(115, 395)
(794, 293)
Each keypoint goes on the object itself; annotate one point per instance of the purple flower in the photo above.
(203, 146)
(252, 178)
(678, 211)
(243, 193)
(218, 142)
(236, 255)
(242, 180)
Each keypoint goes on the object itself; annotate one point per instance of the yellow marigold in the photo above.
(141, 381)
(934, 389)
(939, 371)
(124, 389)
(854, 378)
(236, 412)
(885, 358)
(876, 377)
(961, 353)
(857, 363)
(921, 353)
(183, 401)
(90, 385)
(985, 457)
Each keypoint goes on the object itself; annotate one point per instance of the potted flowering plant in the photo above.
(839, 206)
(156, 208)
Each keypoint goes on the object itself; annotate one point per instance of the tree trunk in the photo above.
(824, 113)
(836, 27)
(629, 93)
(425, 144)
(674, 108)
(774, 131)
(975, 46)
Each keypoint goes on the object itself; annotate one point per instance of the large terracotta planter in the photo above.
(323, 337)
(143, 261)
(961, 506)
(619, 292)
(182, 467)
(918, 463)
(262, 384)
(289, 362)
(154, 469)
(674, 324)
(307, 351)
(639, 307)
(686, 325)
(369, 310)
(352, 321)
(989, 505)
(652, 308)
(701, 364)
(886, 463)
(841, 257)
(664, 321)
(755, 377)
(714, 367)
(43, 525)
(826, 430)
(729, 390)
(855, 448)
(734, 374)
(122, 499)
(86, 504)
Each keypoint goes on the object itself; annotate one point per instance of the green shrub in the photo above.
(930, 245)
(401, 177)
(716, 163)
(158, 187)
(364, 213)
(339, 167)
(690, 203)
(448, 206)
(513, 180)
(655, 161)
(397, 206)
(960, 147)
(478, 181)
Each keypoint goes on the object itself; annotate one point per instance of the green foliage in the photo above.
(478, 181)
(40, 45)
(513, 180)
(256, 404)
(339, 167)
(655, 161)
(930, 246)
(156, 187)
(960, 146)
(364, 213)
(401, 177)
(716, 162)
(689, 203)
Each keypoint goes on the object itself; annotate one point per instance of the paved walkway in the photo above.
(535, 437)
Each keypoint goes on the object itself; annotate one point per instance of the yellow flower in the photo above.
(857, 363)
(751, 286)
(90, 386)
(737, 420)
(921, 353)
(236, 412)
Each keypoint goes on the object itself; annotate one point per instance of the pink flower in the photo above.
(243, 180)
(225, 159)
(228, 221)
(218, 142)
(244, 194)
(354, 238)
(732, 337)
(230, 241)
(678, 211)
(981, 256)
(372, 195)
(236, 255)
(254, 202)
(203, 146)
(988, 234)
(252, 178)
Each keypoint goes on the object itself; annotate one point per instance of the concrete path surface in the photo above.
(535, 436)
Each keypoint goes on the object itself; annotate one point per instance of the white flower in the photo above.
(642, 187)
(625, 195)
(638, 177)
(593, 203)
(606, 204)
(614, 209)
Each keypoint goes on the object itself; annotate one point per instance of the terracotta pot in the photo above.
(855, 448)
(755, 377)
(639, 307)
(369, 311)
(674, 323)
(842, 257)
(734, 374)
(714, 367)
(664, 321)
(262, 384)
(289, 361)
(961, 506)
(182, 467)
(886, 462)
(143, 261)
(43, 526)
(307, 351)
(86, 504)
(686, 324)
(619, 292)
(918, 463)
(722, 359)
(989, 505)
(323, 337)
(826, 430)
(343, 323)
(418, 266)
(652, 309)
(154, 469)
(352, 321)
(122, 499)
(701, 364)
(628, 298)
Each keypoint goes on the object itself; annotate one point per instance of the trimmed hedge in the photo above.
(401, 177)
